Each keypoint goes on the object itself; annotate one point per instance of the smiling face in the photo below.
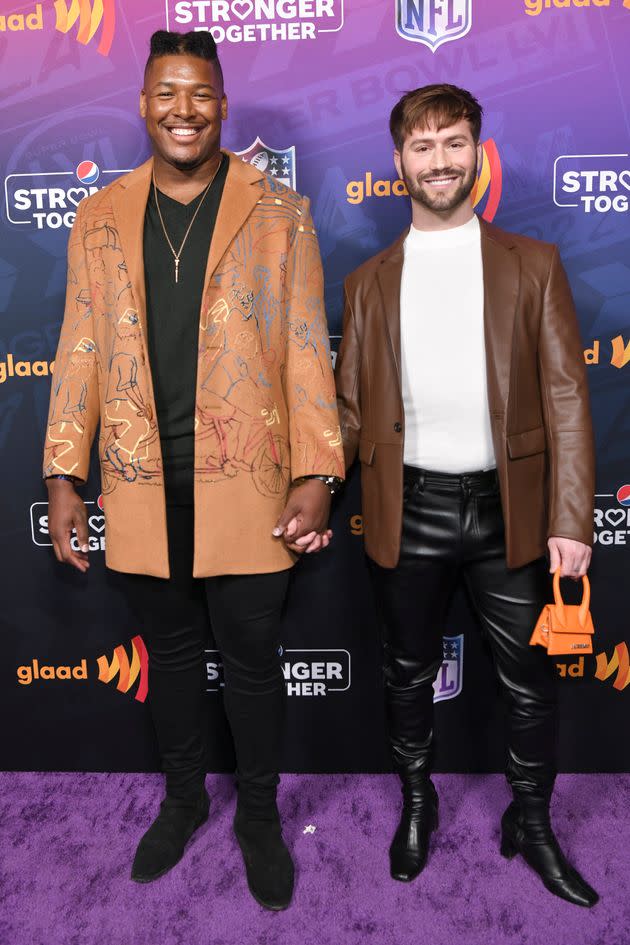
(439, 167)
(184, 105)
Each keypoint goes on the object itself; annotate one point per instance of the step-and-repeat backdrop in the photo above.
(310, 84)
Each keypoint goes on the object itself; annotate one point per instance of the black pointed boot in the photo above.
(526, 829)
(163, 845)
(419, 818)
(268, 864)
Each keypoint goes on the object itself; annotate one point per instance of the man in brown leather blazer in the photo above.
(461, 387)
(195, 335)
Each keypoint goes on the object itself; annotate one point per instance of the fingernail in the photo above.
(277, 532)
(85, 548)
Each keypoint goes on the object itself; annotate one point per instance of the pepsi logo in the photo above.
(623, 495)
(88, 172)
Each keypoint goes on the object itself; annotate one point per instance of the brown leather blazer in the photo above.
(537, 393)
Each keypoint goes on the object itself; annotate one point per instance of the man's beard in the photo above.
(439, 201)
(187, 165)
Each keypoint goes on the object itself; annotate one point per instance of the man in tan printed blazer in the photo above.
(195, 335)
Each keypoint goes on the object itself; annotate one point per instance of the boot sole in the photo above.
(407, 878)
(272, 907)
(150, 879)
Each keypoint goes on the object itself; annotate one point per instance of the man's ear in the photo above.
(224, 108)
(398, 163)
(143, 104)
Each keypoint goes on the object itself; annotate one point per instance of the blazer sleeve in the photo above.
(566, 412)
(315, 439)
(74, 399)
(347, 375)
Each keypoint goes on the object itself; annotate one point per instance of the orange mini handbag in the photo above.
(565, 628)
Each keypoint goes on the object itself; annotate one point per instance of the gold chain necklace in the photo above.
(177, 253)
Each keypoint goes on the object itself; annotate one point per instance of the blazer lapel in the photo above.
(237, 202)
(389, 275)
(129, 203)
(501, 280)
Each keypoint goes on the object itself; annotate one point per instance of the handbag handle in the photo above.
(586, 598)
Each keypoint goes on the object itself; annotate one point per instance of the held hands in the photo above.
(303, 522)
(67, 511)
(572, 557)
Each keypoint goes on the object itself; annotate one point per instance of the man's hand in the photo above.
(66, 510)
(305, 516)
(572, 557)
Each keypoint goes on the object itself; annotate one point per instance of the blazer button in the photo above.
(398, 428)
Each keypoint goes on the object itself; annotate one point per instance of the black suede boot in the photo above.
(526, 829)
(164, 843)
(268, 863)
(410, 847)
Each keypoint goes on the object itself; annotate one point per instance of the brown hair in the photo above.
(443, 104)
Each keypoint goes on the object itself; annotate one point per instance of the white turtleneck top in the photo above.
(447, 421)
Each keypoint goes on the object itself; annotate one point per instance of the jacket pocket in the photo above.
(526, 444)
(367, 448)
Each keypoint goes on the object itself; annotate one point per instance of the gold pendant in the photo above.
(177, 269)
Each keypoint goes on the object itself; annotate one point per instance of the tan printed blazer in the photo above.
(265, 402)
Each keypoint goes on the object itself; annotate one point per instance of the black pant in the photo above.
(244, 611)
(452, 529)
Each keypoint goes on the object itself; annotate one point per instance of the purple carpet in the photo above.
(68, 841)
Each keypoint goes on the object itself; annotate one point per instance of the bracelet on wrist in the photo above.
(333, 483)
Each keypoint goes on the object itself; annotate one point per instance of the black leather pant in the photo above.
(452, 529)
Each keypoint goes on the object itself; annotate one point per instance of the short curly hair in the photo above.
(200, 44)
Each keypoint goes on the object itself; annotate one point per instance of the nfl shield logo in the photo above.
(280, 165)
(433, 22)
(450, 678)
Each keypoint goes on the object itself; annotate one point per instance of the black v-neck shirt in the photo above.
(173, 310)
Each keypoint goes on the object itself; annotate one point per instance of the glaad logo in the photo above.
(306, 672)
(277, 164)
(450, 679)
(96, 524)
(620, 663)
(51, 203)
(127, 672)
(574, 670)
(90, 16)
(251, 21)
(612, 517)
(15, 368)
(119, 665)
(19, 22)
(433, 22)
(619, 351)
(34, 671)
(597, 183)
(535, 7)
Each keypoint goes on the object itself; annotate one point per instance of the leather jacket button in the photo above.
(398, 428)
